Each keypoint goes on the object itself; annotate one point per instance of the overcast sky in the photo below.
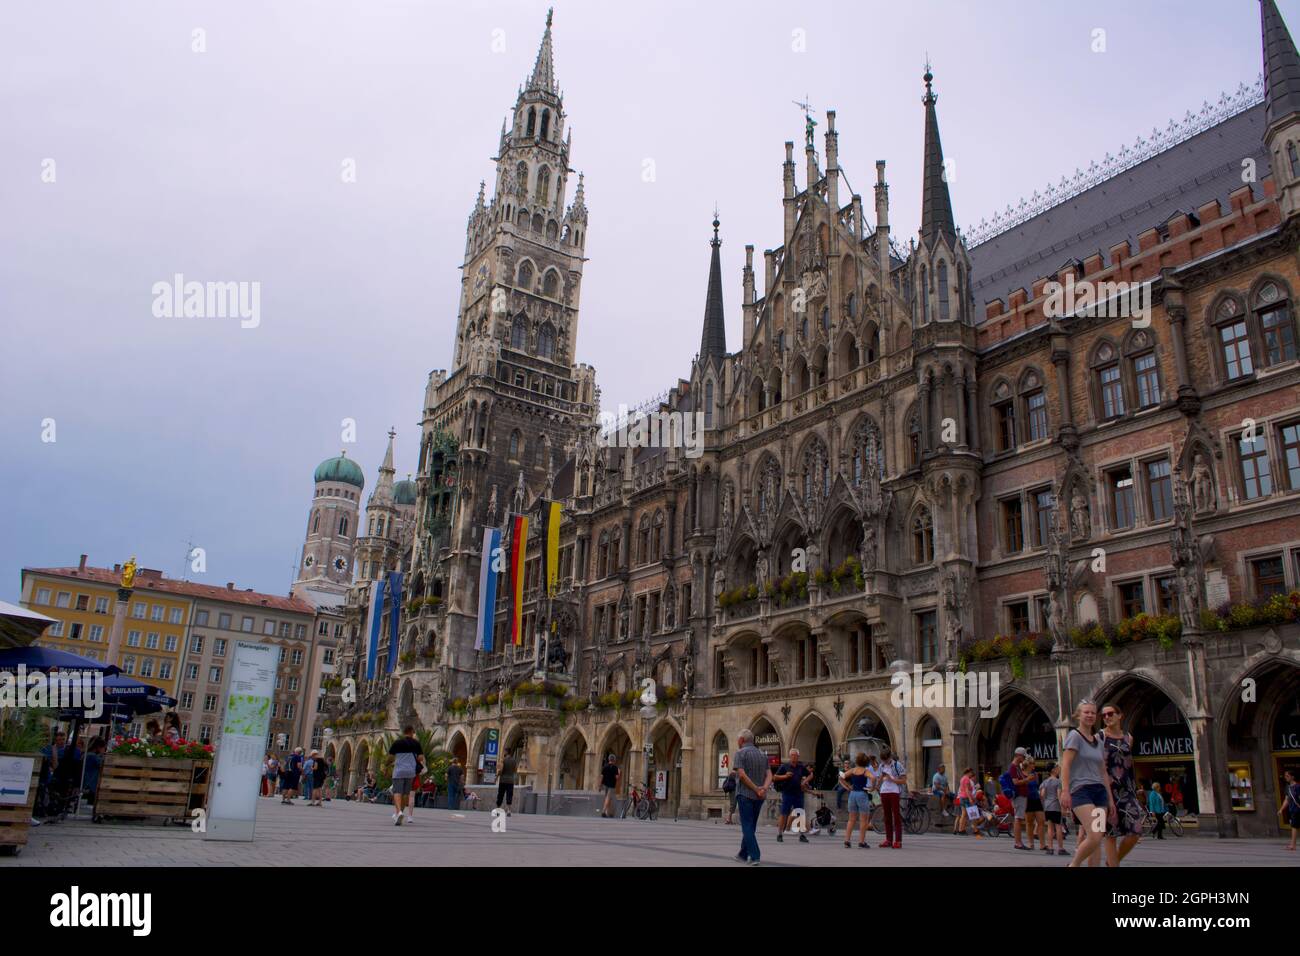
(225, 165)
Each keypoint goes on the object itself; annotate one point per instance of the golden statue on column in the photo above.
(128, 573)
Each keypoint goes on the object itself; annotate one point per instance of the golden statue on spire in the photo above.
(128, 572)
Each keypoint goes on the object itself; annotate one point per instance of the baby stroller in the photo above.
(823, 818)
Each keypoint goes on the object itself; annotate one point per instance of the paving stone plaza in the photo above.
(354, 834)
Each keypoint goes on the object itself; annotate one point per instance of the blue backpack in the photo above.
(1008, 787)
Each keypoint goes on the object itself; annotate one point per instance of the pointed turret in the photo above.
(936, 206)
(1282, 106)
(713, 342)
(543, 77)
(384, 489)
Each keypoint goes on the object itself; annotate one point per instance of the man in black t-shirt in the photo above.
(610, 776)
(455, 782)
(789, 778)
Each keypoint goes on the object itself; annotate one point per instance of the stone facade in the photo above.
(890, 477)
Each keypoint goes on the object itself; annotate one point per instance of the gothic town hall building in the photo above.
(915, 461)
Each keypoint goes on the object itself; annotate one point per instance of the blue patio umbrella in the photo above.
(36, 658)
(125, 697)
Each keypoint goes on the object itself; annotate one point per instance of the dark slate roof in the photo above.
(936, 205)
(1281, 64)
(713, 341)
(1182, 178)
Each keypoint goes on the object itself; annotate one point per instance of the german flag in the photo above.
(518, 552)
(551, 546)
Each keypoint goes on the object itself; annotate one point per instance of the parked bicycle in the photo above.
(641, 804)
(914, 809)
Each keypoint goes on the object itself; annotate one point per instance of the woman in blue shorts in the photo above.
(1085, 789)
(858, 782)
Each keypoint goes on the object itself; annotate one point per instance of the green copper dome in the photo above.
(404, 492)
(340, 469)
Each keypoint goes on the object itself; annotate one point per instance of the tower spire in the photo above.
(936, 206)
(713, 342)
(543, 77)
(1281, 65)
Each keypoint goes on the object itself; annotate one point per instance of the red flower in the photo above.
(207, 748)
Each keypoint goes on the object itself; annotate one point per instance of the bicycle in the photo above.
(641, 803)
(1172, 823)
(913, 808)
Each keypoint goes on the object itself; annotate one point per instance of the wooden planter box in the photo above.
(16, 818)
(151, 787)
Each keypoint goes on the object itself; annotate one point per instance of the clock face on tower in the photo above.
(309, 561)
(340, 564)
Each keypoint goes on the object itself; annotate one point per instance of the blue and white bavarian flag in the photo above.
(487, 589)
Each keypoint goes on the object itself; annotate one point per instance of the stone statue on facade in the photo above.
(1202, 486)
(1189, 581)
(1080, 519)
(867, 551)
(492, 507)
(520, 493)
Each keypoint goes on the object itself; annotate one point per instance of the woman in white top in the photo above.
(893, 784)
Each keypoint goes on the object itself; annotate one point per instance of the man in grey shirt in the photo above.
(753, 777)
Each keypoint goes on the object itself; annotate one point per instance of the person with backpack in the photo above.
(1084, 789)
(729, 788)
(893, 784)
(308, 776)
(319, 770)
(1290, 808)
(1016, 787)
(289, 777)
(789, 782)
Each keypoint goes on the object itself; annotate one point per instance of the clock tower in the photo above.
(326, 562)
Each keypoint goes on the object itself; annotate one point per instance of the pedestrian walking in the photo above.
(1050, 791)
(610, 776)
(939, 788)
(1016, 787)
(1290, 809)
(408, 758)
(970, 818)
(1156, 807)
(1035, 821)
(1083, 783)
(893, 784)
(789, 782)
(506, 782)
(290, 777)
(309, 776)
(858, 783)
(455, 782)
(319, 771)
(270, 774)
(753, 777)
(1126, 829)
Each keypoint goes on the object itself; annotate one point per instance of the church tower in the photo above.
(326, 562)
(498, 426)
(1282, 96)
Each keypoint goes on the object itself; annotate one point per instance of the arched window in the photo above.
(657, 537)
(521, 178)
(343, 527)
(925, 295)
(708, 404)
(1004, 417)
(519, 334)
(768, 486)
(1143, 369)
(1294, 158)
(602, 555)
(546, 124)
(1108, 382)
(1276, 321)
(851, 305)
(1033, 403)
(514, 449)
(867, 448)
(1233, 336)
(315, 523)
(551, 283)
(816, 472)
(826, 319)
(544, 184)
(941, 276)
(545, 341)
(643, 540)
(532, 121)
(914, 440)
(922, 537)
(525, 278)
